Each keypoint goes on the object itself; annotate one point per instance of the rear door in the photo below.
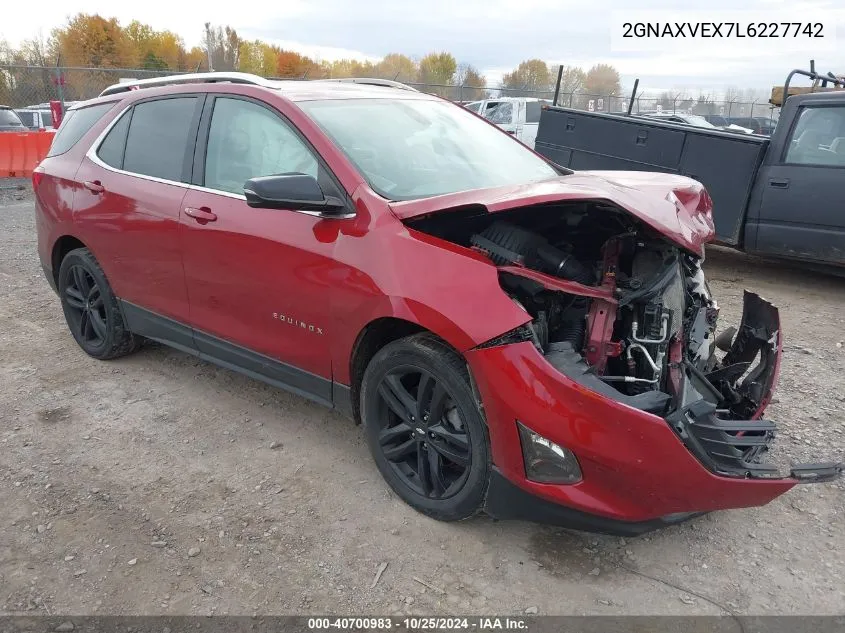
(532, 122)
(132, 183)
(802, 213)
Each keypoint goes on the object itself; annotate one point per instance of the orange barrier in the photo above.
(20, 152)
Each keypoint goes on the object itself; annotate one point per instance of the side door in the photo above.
(801, 212)
(259, 280)
(133, 180)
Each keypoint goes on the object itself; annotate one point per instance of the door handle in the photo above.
(203, 215)
(511, 132)
(94, 186)
(779, 183)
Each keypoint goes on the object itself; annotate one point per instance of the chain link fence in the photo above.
(22, 86)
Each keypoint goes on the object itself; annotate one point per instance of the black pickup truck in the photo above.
(782, 196)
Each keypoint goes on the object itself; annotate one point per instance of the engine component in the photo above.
(508, 244)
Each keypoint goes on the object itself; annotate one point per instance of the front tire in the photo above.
(424, 427)
(91, 310)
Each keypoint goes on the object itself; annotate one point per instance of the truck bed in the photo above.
(726, 163)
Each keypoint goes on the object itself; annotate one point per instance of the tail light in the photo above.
(37, 176)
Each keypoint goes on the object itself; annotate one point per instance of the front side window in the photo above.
(474, 107)
(158, 138)
(74, 126)
(818, 137)
(415, 148)
(247, 140)
(501, 114)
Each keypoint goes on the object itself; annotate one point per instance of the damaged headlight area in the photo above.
(622, 310)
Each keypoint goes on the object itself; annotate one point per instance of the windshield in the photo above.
(409, 149)
(8, 117)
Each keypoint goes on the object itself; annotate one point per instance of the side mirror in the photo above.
(291, 191)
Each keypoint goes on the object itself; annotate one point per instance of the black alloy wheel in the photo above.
(423, 436)
(86, 307)
(92, 312)
(425, 428)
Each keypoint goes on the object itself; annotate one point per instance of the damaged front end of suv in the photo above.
(619, 305)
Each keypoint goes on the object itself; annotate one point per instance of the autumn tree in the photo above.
(397, 67)
(91, 40)
(472, 82)
(196, 60)
(532, 75)
(571, 83)
(259, 58)
(293, 65)
(602, 80)
(223, 46)
(341, 68)
(438, 68)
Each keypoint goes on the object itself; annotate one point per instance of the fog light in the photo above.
(545, 461)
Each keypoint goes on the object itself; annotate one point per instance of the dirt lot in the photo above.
(154, 485)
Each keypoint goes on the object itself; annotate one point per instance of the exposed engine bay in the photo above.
(617, 307)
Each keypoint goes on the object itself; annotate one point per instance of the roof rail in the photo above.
(371, 81)
(187, 78)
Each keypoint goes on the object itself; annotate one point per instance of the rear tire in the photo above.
(424, 427)
(91, 310)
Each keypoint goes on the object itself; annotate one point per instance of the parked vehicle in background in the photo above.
(36, 119)
(692, 119)
(778, 196)
(717, 120)
(513, 337)
(10, 121)
(518, 116)
(678, 117)
(758, 125)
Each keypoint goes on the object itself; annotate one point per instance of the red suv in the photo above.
(514, 337)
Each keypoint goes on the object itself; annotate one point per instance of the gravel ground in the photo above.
(159, 484)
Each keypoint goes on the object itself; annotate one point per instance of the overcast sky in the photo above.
(493, 35)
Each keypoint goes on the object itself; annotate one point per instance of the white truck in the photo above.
(519, 116)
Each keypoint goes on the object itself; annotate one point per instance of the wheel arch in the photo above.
(61, 247)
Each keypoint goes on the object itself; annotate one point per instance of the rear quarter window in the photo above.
(74, 126)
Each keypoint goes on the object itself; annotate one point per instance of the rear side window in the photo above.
(74, 126)
(111, 149)
(532, 111)
(28, 118)
(158, 137)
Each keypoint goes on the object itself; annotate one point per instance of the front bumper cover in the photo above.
(639, 471)
(506, 500)
(736, 447)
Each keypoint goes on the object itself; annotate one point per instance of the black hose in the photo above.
(572, 332)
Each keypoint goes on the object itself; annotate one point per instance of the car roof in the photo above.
(295, 90)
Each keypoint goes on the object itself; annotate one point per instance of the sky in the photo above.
(495, 35)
